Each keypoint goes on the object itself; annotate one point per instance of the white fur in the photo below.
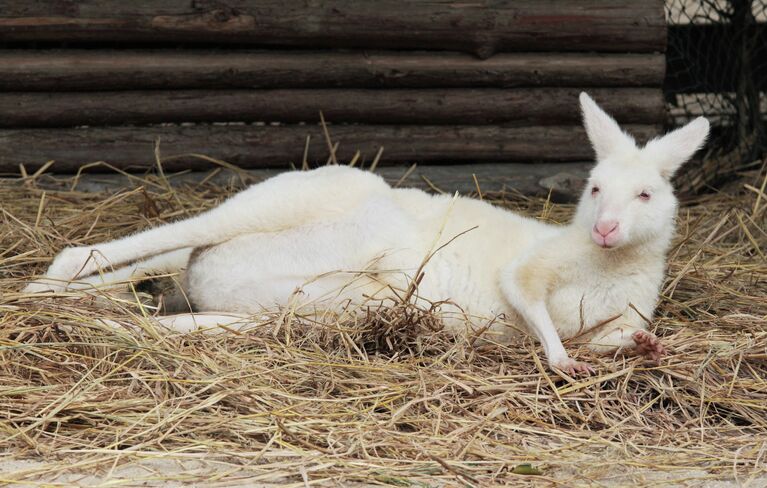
(338, 237)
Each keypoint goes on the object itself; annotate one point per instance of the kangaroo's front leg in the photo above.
(525, 290)
(538, 319)
(285, 201)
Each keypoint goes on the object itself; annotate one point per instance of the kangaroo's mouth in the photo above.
(605, 242)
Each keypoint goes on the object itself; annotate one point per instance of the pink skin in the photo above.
(606, 233)
(575, 368)
(648, 345)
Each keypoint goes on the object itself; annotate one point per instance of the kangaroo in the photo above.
(343, 235)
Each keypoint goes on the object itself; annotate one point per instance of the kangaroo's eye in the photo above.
(644, 196)
(594, 190)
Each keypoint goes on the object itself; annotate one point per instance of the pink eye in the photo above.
(594, 190)
(644, 196)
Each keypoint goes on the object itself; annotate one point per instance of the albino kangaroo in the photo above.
(299, 229)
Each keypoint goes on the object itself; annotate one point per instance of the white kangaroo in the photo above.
(317, 231)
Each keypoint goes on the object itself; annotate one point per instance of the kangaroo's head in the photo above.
(628, 198)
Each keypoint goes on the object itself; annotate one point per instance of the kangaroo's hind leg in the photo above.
(285, 201)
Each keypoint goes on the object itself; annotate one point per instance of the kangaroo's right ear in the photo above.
(675, 148)
(604, 132)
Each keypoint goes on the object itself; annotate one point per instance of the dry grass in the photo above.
(300, 406)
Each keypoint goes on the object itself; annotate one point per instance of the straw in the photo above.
(391, 400)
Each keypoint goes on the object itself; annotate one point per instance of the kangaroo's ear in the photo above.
(603, 131)
(671, 151)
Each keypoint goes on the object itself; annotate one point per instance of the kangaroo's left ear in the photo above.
(671, 151)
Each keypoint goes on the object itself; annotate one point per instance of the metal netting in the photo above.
(716, 66)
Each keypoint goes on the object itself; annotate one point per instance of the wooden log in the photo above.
(538, 106)
(493, 178)
(132, 148)
(478, 27)
(86, 70)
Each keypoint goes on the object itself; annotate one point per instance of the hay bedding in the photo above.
(292, 402)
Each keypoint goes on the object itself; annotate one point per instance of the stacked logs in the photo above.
(244, 81)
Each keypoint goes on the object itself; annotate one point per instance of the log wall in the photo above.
(432, 82)
(482, 28)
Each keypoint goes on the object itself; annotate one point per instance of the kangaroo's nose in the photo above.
(606, 227)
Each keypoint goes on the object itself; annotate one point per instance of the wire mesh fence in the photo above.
(716, 66)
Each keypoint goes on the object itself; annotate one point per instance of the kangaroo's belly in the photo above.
(374, 253)
(337, 268)
(463, 291)
(301, 267)
(353, 258)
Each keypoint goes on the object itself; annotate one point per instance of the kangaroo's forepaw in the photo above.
(572, 367)
(648, 345)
